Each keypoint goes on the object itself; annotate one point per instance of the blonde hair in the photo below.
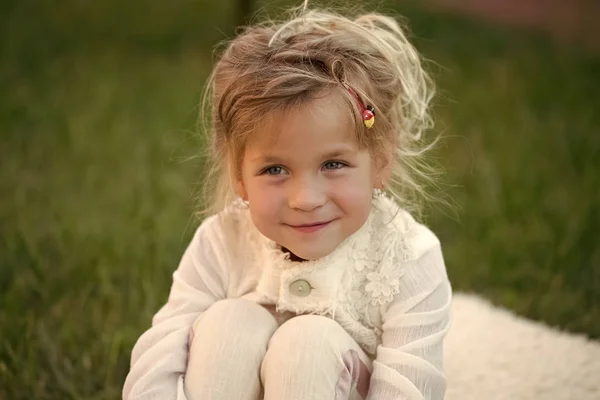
(275, 66)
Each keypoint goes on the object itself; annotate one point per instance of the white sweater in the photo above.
(386, 285)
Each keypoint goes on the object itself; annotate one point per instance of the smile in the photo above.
(309, 228)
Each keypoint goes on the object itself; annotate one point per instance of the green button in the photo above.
(300, 288)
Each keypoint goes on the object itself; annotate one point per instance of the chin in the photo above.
(309, 254)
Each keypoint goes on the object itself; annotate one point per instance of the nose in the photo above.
(306, 195)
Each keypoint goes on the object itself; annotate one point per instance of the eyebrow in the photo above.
(338, 152)
(267, 159)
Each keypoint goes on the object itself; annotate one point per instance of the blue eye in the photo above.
(274, 170)
(331, 165)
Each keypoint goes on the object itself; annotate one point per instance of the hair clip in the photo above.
(368, 116)
(367, 111)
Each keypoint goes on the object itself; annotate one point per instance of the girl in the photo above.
(309, 282)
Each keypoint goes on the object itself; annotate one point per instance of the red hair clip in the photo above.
(367, 111)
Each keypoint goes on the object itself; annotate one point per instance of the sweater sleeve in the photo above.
(408, 363)
(159, 358)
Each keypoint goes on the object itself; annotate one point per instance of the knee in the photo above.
(307, 333)
(237, 315)
(236, 309)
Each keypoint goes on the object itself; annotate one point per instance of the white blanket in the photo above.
(492, 354)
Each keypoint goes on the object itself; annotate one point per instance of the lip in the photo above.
(311, 227)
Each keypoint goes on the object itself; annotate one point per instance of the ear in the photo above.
(236, 180)
(240, 189)
(382, 174)
(382, 179)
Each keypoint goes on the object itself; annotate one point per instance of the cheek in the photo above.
(354, 196)
(264, 202)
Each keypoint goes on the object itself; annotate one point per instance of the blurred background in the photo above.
(99, 167)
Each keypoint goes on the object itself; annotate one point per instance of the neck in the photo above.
(293, 257)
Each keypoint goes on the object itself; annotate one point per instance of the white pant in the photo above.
(241, 352)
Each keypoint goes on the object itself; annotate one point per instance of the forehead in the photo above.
(313, 126)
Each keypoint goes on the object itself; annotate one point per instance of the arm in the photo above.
(159, 358)
(409, 360)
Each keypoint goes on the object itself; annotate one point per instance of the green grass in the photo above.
(97, 184)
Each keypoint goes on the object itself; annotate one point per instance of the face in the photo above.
(308, 184)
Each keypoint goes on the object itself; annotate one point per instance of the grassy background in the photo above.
(98, 103)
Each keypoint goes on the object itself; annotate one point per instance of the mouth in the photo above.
(311, 227)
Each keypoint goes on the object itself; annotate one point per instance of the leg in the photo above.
(313, 357)
(229, 344)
